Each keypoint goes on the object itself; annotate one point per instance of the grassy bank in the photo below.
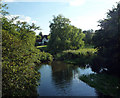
(107, 84)
(80, 56)
(42, 48)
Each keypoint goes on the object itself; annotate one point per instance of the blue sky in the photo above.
(83, 14)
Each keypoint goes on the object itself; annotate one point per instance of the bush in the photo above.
(19, 80)
(78, 56)
(19, 75)
(19, 54)
(43, 57)
(18, 69)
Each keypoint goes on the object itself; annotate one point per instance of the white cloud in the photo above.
(34, 21)
(71, 2)
(36, 0)
(87, 22)
(22, 18)
(76, 2)
(8, 0)
(37, 32)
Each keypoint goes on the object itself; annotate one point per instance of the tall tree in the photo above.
(107, 39)
(40, 34)
(88, 37)
(63, 35)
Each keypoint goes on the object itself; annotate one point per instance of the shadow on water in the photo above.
(61, 79)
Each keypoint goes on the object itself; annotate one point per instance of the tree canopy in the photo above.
(88, 37)
(107, 39)
(63, 35)
(19, 56)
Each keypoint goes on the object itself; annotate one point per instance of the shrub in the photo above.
(80, 55)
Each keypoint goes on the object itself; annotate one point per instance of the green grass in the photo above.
(42, 48)
(107, 84)
(81, 51)
(80, 56)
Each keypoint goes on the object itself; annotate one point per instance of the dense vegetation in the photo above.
(64, 36)
(107, 40)
(88, 37)
(81, 56)
(19, 57)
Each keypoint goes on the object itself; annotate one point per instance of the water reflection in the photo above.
(61, 74)
(60, 79)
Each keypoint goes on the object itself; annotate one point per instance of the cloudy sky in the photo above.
(83, 14)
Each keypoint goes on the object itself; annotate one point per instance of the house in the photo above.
(45, 39)
(39, 41)
(42, 41)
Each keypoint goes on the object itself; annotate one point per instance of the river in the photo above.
(60, 79)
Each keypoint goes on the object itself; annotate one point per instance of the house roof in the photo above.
(45, 36)
(40, 40)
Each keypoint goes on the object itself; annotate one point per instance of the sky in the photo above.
(83, 14)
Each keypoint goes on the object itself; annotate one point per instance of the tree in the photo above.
(63, 35)
(40, 34)
(107, 39)
(3, 8)
(88, 37)
(19, 54)
(38, 37)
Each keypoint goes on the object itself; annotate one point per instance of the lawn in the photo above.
(42, 48)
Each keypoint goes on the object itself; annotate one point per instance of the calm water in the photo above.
(60, 79)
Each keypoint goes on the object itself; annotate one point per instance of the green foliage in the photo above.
(88, 37)
(19, 80)
(64, 36)
(19, 55)
(3, 8)
(107, 39)
(19, 76)
(80, 56)
(40, 34)
(42, 48)
(107, 84)
(43, 57)
(38, 37)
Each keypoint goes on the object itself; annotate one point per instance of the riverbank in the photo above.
(80, 56)
(104, 83)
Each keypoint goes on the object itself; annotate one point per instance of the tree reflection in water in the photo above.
(60, 78)
(61, 74)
